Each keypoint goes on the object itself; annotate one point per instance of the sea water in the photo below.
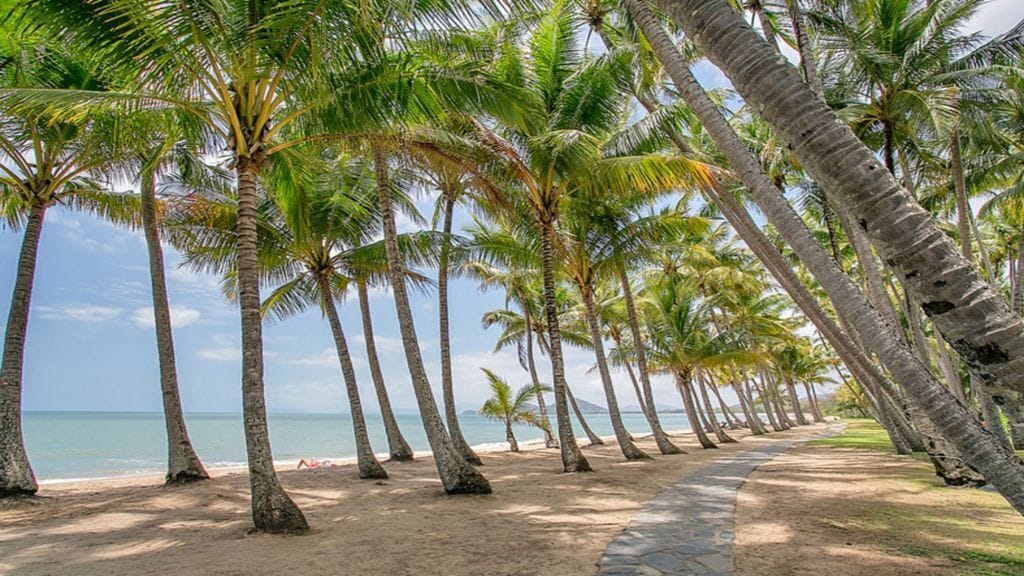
(85, 445)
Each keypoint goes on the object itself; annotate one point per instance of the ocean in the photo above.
(67, 446)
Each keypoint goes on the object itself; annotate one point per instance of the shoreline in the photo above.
(289, 465)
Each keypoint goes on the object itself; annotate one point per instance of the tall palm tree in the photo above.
(457, 475)
(44, 162)
(398, 448)
(179, 158)
(453, 187)
(508, 407)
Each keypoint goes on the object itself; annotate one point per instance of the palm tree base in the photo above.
(400, 457)
(183, 477)
(669, 449)
(373, 472)
(278, 515)
(470, 483)
(636, 454)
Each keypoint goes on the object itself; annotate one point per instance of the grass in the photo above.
(967, 528)
(862, 433)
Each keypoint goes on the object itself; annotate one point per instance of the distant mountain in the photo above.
(590, 408)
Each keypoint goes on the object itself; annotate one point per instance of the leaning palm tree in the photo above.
(983, 451)
(44, 162)
(509, 408)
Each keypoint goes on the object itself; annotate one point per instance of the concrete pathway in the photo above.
(687, 529)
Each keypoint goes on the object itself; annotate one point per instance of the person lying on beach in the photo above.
(314, 463)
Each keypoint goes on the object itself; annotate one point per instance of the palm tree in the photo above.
(398, 449)
(983, 451)
(508, 407)
(44, 162)
(453, 187)
(183, 465)
(624, 239)
(517, 274)
(680, 342)
(457, 475)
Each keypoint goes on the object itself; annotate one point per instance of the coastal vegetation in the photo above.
(848, 214)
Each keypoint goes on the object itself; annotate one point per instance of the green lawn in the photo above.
(962, 528)
(859, 433)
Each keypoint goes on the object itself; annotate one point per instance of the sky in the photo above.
(91, 344)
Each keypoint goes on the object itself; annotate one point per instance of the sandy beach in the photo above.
(538, 521)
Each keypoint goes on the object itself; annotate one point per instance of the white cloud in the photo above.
(996, 17)
(79, 313)
(224, 349)
(181, 316)
(383, 343)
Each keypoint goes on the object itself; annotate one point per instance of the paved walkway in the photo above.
(687, 529)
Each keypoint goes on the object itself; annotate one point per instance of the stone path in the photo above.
(687, 529)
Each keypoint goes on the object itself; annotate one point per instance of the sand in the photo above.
(848, 512)
(538, 521)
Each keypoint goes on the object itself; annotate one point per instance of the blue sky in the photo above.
(91, 344)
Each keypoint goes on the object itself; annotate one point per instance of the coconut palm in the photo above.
(510, 408)
(515, 249)
(398, 448)
(44, 162)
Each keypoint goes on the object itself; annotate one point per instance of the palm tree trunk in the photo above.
(16, 476)
(510, 437)
(990, 414)
(183, 466)
(767, 405)
(730, 416)
(1016, 421)
(457, 475)
(968, 312)
(272, 510)
(797, 410)
(771, 387)
(549, 438)
(949, 371)
(710, 411)
(983, 451)
(812, 400)
(683, 385)
(747, 405)
(665, 446)
(629, 450)
(591, 437)
(367, 463)
(632, 378)
(963, 217)
(448, 394)
(804, 47)
(572, 459)
(398, 449)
